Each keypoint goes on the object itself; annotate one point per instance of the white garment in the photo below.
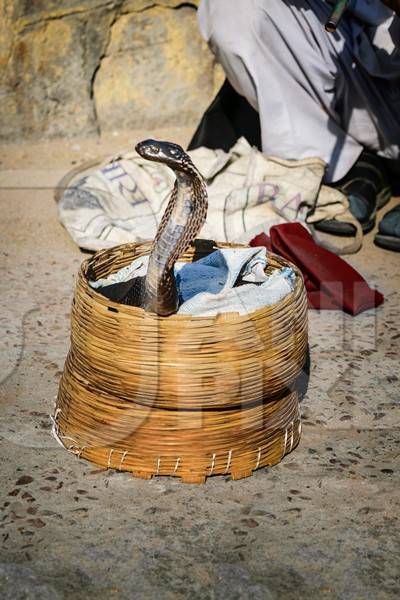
(317, 94)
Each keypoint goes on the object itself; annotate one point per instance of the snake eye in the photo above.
(174, 151)
(154, 149)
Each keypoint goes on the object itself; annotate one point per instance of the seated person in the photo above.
(331, 95)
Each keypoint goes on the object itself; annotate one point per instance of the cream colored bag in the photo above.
(124, 198)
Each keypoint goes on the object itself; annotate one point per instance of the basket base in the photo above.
(239, 456)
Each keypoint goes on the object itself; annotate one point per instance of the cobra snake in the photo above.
(182, 220)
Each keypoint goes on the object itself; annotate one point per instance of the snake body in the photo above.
(181, 222)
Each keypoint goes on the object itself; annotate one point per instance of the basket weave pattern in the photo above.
(184, 396)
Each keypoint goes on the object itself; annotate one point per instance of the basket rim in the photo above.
(136, 311)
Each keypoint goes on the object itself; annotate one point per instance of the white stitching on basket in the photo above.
(55, 431)
(158, 465)
(258, 459)
(284, 444)
(212, 464)
(123, 458)
(291, 436)
(109, 458)
(228, 464)
(66, 437)
(177, 464)
(299, 418)
(80, 451)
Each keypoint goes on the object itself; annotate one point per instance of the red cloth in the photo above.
(331, 283)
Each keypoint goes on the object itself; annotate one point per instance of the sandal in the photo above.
(367, 189)
(388, 235)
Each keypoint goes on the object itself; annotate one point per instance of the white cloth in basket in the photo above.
(206, 287)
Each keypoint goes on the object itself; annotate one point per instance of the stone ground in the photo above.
(321, 525)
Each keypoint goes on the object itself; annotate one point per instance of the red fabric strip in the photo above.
(330, 281)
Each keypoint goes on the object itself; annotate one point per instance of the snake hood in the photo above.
(168, 153)
(181, 222)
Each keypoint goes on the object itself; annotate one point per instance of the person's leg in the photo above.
(273, 58)
(311, 99)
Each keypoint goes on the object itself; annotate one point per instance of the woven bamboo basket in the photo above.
(184, 396)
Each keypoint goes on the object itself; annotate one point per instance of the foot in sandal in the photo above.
(388, 235)
(367, 188)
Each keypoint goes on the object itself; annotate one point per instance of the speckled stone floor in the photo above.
(321, 525)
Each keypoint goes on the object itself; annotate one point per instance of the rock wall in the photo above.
(78, 67)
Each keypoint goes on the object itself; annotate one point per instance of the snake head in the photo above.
(167, 153)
